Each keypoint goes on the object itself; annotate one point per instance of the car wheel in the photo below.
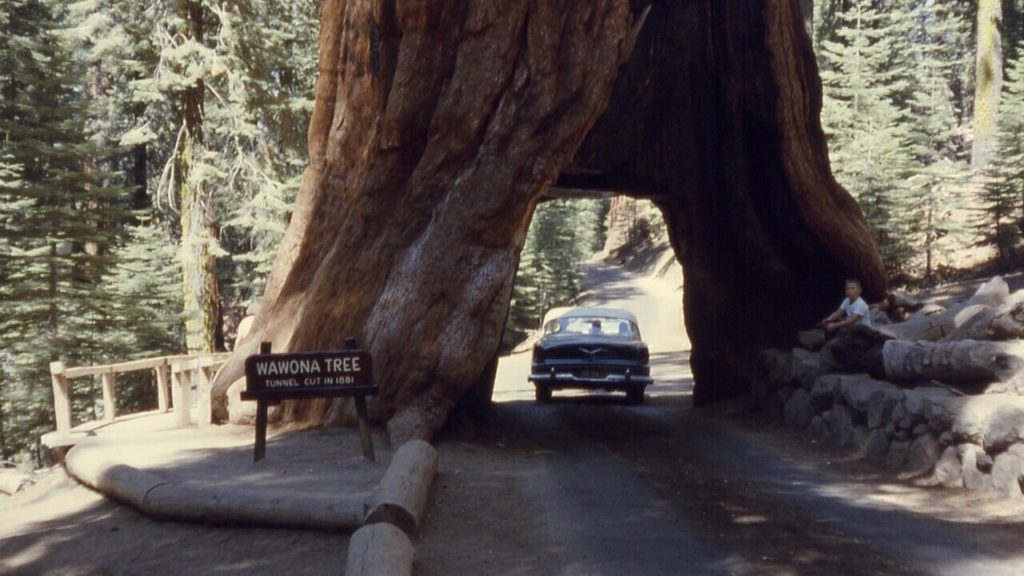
(543, 394)
(635, 395)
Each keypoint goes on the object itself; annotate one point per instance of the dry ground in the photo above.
(585, 485)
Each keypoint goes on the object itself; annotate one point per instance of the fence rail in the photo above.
(175, 376)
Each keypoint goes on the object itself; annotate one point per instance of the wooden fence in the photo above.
(175, 376)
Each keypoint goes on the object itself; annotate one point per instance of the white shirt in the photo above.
(858, 307)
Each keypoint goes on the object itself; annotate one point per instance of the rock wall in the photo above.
(932, 433)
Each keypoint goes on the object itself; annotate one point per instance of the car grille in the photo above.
(589, 353)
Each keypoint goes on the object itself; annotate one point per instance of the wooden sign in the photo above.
(270, 377)
(308, 374)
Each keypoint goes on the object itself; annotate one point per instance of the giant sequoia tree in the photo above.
(438, 126)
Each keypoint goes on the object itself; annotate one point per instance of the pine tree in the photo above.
(1004, 193)
(562, 236)
(940, 175)
(267, 54)
(219, 100)
(57, 213)
(865, 80)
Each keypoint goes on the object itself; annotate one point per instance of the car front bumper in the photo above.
(559, 379)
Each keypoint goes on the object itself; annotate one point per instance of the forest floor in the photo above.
(584, 485)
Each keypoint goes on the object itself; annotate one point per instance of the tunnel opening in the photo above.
(592, 249)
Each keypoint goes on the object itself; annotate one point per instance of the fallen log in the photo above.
(898, 305)
(12, 481)
(931, 324)
(404, 491)
(1003, 323)
(968, 365)
(380, 550)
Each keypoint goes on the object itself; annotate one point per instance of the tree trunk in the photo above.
(807, 11)
(438, 126)
(988, 83)
(200, 290)
(735, 151)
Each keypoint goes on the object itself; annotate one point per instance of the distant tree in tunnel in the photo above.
(562, 235)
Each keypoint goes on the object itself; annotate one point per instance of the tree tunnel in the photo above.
(438, 127)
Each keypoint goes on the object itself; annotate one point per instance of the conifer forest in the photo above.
(150, 153)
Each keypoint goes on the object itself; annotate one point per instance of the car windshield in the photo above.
(592, 325)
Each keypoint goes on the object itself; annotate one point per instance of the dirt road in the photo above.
(585, 485)
(589, 485)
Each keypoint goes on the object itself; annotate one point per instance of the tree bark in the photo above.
(967, 364)
(200, 288)
(988, 83)
(438, 126)
(736, 154)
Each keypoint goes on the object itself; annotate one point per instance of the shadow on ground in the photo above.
(62, 527)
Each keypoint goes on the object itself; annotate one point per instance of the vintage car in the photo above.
(592, 348)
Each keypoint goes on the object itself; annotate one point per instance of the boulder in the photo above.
(854, 350)
(923, 455)
(991, 421)
(1007, 471)
(824, 393)
(949, 470)
(244, 328)
(840, 426)
(811, 340)
(882, 407)
(776, 368)
(918, 400)
(857, 391)
(818, 429)
(877, 447)
(899, 414)
(896, 459)
(243, 413)
(975, 479)
(806, 368)
(776, 405)
(798, 411)
(1005, 426)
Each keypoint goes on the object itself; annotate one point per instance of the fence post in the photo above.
(61, 397)
(181, 391)
(109, 396)
(162, 383)
(204, 404)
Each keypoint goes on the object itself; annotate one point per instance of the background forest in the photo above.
(150, 153)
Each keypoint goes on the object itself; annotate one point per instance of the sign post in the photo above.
(328, 374)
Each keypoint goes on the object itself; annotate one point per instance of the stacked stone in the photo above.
(932, 433)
